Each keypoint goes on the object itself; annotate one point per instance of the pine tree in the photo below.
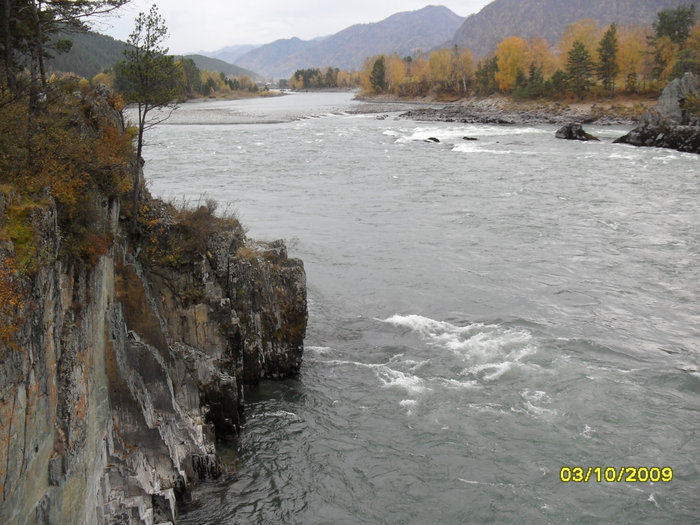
(579, 69)
(607, 59)
(485, 77)
(378, 76)
(675, 23)
(148, 78)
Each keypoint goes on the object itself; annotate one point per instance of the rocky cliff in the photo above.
(123, 372)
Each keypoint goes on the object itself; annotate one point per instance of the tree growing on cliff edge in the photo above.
(147, 78)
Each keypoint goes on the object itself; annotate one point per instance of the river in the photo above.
(481, 315)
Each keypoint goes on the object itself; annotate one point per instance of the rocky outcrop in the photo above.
(664, 135)
(122, 376)
(671, 124)
(574, 131)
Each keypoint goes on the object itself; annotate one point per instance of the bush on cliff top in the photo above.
(74, 149)
(176, 235)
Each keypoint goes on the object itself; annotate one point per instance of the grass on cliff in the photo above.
(177, 234)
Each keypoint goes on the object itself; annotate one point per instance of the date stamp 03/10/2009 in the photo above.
(616, 474)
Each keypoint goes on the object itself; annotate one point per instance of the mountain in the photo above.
(483, 31)
(403, 33)
(230, 54)
(214, 64)
(274, 57)
(90, 54)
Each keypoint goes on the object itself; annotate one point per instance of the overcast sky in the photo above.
(208, 25)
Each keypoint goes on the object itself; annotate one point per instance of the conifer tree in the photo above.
(607, 59)
(149, 79)
(579, 69)
(675, 23)
(378, 75)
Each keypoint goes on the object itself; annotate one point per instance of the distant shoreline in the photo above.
(502, 110)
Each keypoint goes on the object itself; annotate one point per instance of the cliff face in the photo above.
(122, 376)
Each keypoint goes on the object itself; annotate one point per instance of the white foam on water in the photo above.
(474, 148)
(472, 482)
(455, 384)
(652, 498)
(498, 369)
(454, 134)
(490, 350)
(281, 414)
(622, 156)
(426, 325)
(318, 350)
(587, 431)
(487, 408)
(408, 404)
(666, 158)
(395, 378)
(531, 405)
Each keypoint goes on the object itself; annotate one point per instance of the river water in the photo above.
(481, 314)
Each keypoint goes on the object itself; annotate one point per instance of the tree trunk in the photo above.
(143, 110)
(39, 41)
(9, 65)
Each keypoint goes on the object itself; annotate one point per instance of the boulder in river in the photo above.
(574, 131)
(432, 139)
(671, 124)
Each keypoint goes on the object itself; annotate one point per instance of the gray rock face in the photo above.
(670, 105)
(574, 131)
(670, 125)
(125, 374)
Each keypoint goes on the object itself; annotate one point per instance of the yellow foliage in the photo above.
(245, 82)
(465, 68)
(513, 56)
(441, 67)
(585, 30)
(632, 42)
(104, 79)
(540, 54)
(365, 72)
(396, 72)
(347, 79)
(667, 51)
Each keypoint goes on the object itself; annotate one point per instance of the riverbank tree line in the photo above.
(588, 60)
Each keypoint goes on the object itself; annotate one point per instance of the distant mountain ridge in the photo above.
(92, 53)
(403, 33)
(481, 32)
(229, 53)
(214, 64)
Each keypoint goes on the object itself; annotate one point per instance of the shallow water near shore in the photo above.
(482, 314)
